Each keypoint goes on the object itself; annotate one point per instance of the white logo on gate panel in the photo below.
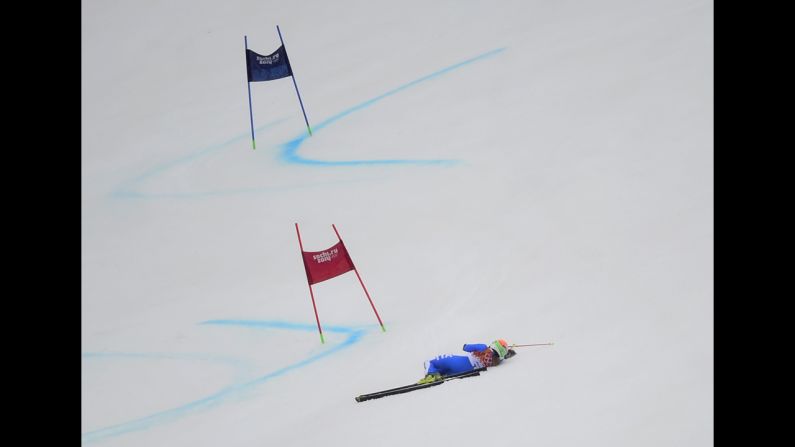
(268, 59)
(325, 256)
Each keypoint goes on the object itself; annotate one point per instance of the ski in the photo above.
(412, 387)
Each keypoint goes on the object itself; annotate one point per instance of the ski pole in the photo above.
(534, 344)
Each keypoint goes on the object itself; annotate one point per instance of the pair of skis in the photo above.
(416, 386)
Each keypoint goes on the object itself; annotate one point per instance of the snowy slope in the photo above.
(531, 170)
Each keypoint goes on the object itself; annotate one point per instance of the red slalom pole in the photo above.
(311, 294)
(383, 329)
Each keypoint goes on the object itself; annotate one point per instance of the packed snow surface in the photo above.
(534, 170)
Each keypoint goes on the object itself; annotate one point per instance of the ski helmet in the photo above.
(500, 346)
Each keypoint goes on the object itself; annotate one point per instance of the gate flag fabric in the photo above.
(267, 68)
(326, 264)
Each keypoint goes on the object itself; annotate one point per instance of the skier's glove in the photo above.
(510, 353)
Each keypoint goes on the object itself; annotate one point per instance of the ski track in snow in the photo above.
(354, 335)
(289, 150)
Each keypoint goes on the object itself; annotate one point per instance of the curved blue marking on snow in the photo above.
(126, 189)
(290, 149)
(354, 335)
(241, 367)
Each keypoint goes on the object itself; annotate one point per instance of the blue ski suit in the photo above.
(478, 356)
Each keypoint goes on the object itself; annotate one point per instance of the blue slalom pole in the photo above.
(250, 112)
(295, 84)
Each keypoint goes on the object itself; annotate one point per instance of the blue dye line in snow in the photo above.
(289, 150)
(127, 188)
(354, 335)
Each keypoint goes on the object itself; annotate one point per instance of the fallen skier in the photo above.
(478, 355)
